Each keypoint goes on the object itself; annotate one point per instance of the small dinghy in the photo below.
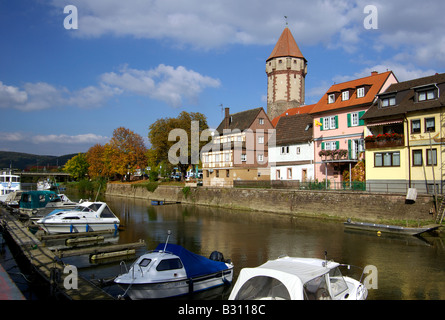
(171, 270)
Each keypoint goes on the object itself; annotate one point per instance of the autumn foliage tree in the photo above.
(159, 133)
(124, 154)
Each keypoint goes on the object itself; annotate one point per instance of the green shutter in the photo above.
(336, 122)
(321, 121)
(349, 149)
(361, 122)
(337, 145)
(349, 120)
(322, 146)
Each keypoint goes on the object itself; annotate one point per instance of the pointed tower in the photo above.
(286, 70)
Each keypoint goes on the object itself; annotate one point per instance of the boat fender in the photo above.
(190, 285)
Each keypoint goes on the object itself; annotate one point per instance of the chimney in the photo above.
(227, 118)
(373, 73)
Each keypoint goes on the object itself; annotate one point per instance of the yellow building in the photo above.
(404, 137)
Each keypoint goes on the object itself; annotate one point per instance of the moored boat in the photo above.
(87, 216)
(289, 278)
(385, 228)
(171, 270)
(8, 183)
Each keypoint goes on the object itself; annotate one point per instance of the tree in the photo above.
(77, 166)
(159, 133)
(127, 152)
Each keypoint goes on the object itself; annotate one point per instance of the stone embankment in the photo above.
(323, 204)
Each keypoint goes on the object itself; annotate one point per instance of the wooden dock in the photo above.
(49, 265)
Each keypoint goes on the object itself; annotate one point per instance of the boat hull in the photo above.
(77, 227)
(388, 228)
(169, 289)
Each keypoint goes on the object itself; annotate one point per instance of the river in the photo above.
(408, 268)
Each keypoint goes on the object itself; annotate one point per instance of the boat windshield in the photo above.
(107, 213)
(263, 287)
(338, 283)
(317, 289)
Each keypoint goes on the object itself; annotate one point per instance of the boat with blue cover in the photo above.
(171, 270)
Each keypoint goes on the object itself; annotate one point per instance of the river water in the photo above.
(407, 267)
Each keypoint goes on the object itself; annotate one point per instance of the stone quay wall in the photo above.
(324, 204)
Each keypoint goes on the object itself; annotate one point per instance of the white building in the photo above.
(292, 158)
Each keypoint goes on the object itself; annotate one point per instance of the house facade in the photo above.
(339, 129)
(405, 137)
(238, 150)
(292, 157)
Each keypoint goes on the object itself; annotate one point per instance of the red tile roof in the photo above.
(373, 83)
(292, 111)
(286, 47)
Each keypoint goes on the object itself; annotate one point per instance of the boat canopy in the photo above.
(285, 278)
(36, 199)
(194, 265)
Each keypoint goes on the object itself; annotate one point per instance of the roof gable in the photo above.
(242, 120)
(404, 93)
(294, 129)
(372, 84)
(286, 46)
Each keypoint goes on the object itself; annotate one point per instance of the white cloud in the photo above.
(164, 83)
(88, 138)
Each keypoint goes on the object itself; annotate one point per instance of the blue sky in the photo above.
(132, 62)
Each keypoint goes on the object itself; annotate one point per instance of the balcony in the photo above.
(387, 140)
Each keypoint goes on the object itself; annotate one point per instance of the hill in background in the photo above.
(23, 161)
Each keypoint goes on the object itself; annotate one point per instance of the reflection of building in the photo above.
(286, 70)
(404, 143)
(239, 150)
(338, 128)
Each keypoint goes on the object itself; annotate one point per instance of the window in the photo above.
(284, 150)
(430, 124)
(227, 173)
(278, 175)
(243, 157)
(261, 120)
(260, 158)
(417, 158)
(354, 119)
(345, 95)
(260, 139)
(330, 145)
(331, 98)
(169, 264)
(360, 92)
(227, 157)
(289, 173)
(387, 159)
(432, 159)
(217, 173)
(388, 101)
(298, 150)
(144, 262)
(329, 123)
(426, 95)
(355, 146)
(415, 126)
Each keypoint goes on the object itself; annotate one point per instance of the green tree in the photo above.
(77, 166)
(160, 145)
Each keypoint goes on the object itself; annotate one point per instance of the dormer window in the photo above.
(331, 98)
(426, 93)
(387, 100)
(360, 92)
(345, 95)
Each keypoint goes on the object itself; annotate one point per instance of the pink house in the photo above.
(338, 129)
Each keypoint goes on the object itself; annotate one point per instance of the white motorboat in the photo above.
(171, 270)
(288, 278)
(87, 216)
(8, 183)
